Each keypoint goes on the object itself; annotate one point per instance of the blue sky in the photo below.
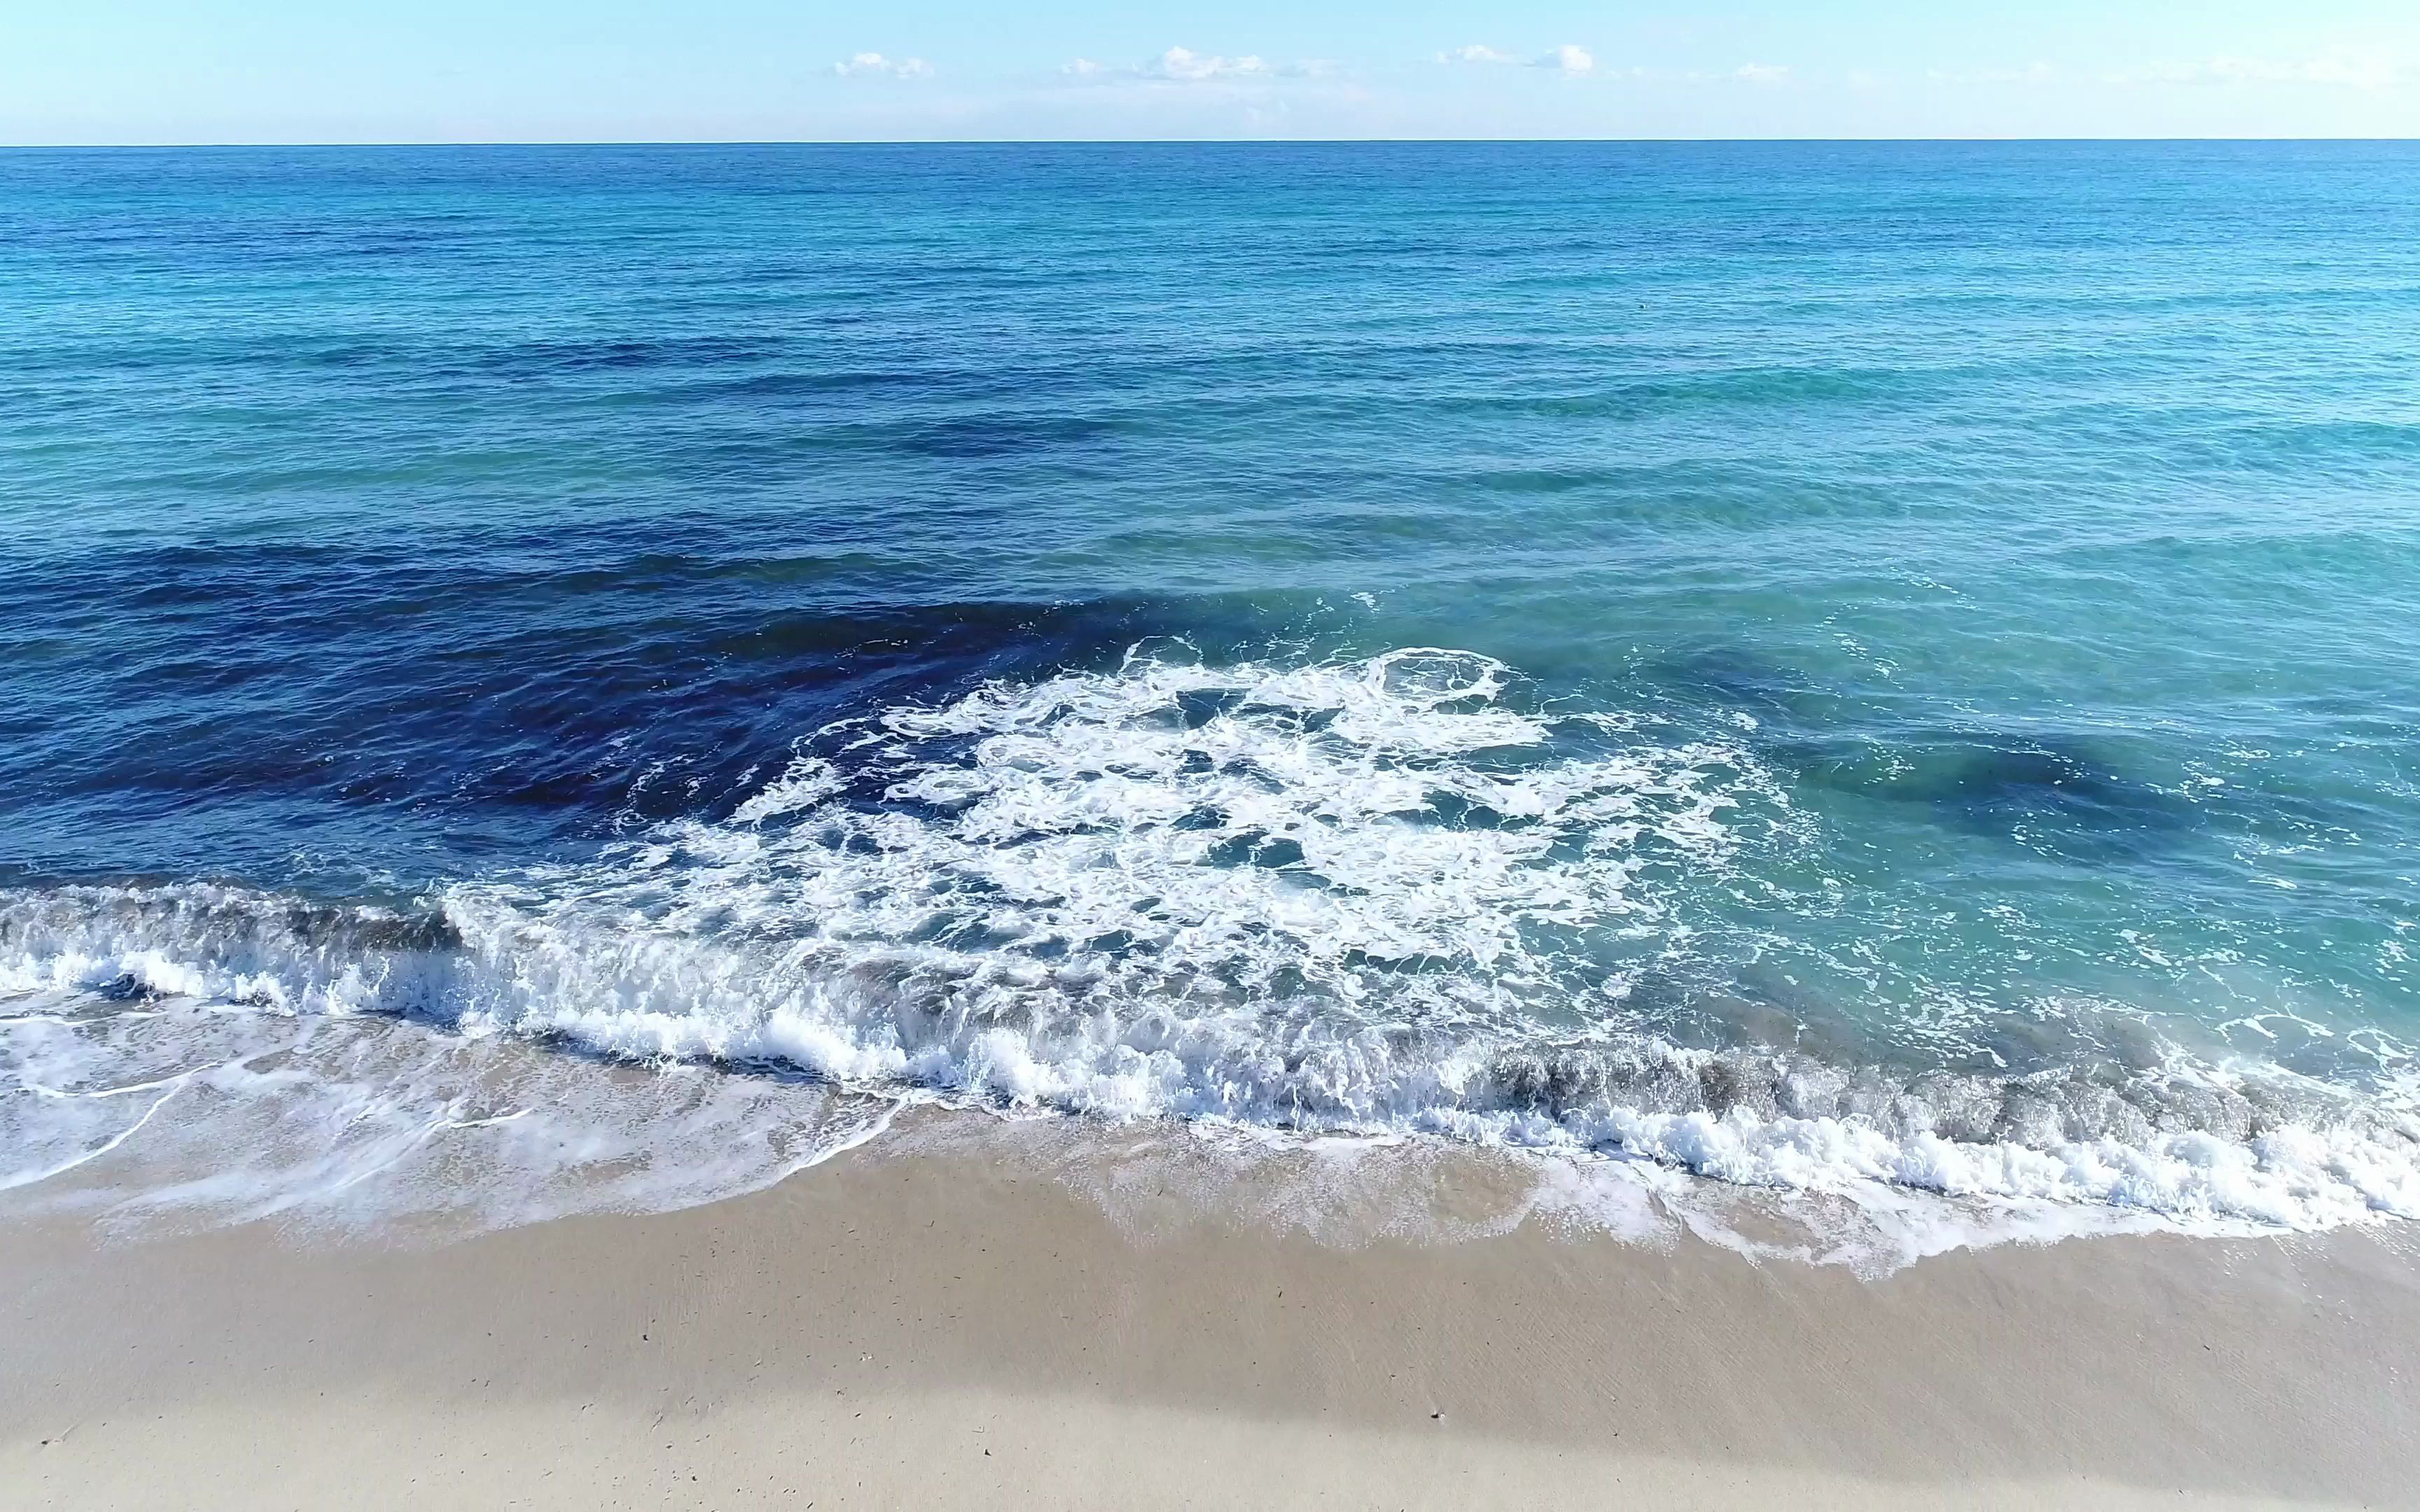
(309, 71)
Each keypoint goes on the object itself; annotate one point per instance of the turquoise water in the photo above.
(1812, 664)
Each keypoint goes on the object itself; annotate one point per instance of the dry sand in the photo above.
(936, 1329)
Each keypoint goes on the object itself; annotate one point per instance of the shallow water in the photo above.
(1846, 668)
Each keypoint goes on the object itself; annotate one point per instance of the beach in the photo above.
(936, 1328)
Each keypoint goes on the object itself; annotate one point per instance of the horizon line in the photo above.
(1159, 141)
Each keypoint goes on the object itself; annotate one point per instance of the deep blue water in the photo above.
(1932, 626)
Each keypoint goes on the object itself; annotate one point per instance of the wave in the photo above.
(1398, 896)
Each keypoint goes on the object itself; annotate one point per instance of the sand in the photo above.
(936, 1329)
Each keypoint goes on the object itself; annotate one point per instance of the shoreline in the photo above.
(861, 1332)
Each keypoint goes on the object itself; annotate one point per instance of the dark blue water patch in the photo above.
(1733, 678)
(2049, 793)
(1196, 707)
(494, 709)
(1254, 848)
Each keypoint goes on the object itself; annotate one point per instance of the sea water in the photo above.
(1882, 669)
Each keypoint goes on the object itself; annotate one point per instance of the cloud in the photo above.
(1186, 66)
(1568, 58)
(875, 66)
(2338, 70)
(1475, 53)
(1182, 65)
(1761, 73)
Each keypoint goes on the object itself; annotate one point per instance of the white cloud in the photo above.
(1475, 53)
(1568, 58)
(1182, 65)
(1187, 66)
(1761, 73)
(875, 66)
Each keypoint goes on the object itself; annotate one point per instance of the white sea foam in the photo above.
(184, 1112)
(1396, 898)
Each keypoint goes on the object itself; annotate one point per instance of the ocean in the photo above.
(536, 678)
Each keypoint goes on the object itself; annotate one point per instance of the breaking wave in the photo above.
(1398, 896)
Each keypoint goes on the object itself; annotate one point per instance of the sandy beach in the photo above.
(935, 1327)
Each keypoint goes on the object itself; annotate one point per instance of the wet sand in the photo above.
(937, 1329)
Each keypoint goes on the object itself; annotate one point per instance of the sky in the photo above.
(106, 71)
